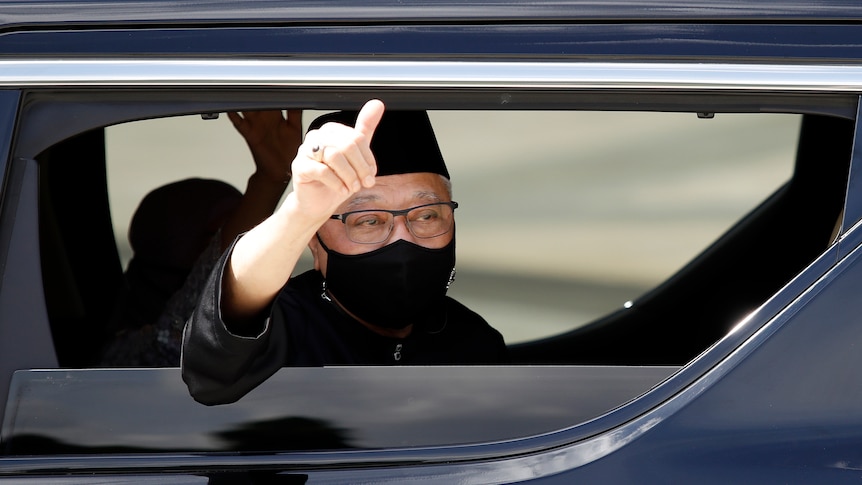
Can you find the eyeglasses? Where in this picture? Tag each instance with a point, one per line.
(423, 221)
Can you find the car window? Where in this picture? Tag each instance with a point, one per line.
(564, 216)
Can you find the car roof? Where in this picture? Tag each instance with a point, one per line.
(22, 14)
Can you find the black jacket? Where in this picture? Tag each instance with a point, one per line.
(304, 329)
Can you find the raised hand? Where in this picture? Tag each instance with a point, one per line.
(272, 139)
(263, 259)
(335, 162)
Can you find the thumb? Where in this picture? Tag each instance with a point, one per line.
(369, 117)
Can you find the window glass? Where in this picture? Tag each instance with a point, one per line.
(563, 217)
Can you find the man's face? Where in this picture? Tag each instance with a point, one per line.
(391, 192)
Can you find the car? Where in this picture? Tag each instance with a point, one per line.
(660, 210)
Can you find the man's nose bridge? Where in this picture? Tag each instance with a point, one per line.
(400, 229)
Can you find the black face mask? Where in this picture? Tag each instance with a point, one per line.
(392, 287)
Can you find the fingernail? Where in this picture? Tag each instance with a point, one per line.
(369, 181)
(356, 186)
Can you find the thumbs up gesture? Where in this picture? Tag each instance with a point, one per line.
(335, 161)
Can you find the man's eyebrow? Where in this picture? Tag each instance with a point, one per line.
(362, 199)
(423, 194)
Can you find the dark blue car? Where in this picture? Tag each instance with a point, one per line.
(659, 208)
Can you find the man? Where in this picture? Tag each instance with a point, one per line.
(379, 220)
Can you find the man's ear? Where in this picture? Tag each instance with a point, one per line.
(316, 253)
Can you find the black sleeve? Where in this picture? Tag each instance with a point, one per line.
(218, 366)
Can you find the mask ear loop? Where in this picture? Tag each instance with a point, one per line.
(446, 316)
(323, 293)
(448, 283)
(323, 289)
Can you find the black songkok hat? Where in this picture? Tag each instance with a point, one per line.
(403, 142)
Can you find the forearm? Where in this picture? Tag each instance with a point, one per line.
(264, 259)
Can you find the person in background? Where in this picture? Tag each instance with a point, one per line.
(372, 200)
(178, 233)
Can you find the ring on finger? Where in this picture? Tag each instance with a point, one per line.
(315, 152)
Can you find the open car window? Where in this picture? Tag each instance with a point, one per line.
(564, 216)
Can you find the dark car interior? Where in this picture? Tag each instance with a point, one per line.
(668, 326)
(82, 273)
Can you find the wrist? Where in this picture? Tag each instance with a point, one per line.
(296, 213)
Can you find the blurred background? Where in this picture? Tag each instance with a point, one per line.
(563, 217)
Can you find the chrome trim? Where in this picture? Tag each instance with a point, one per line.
(429, 74)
